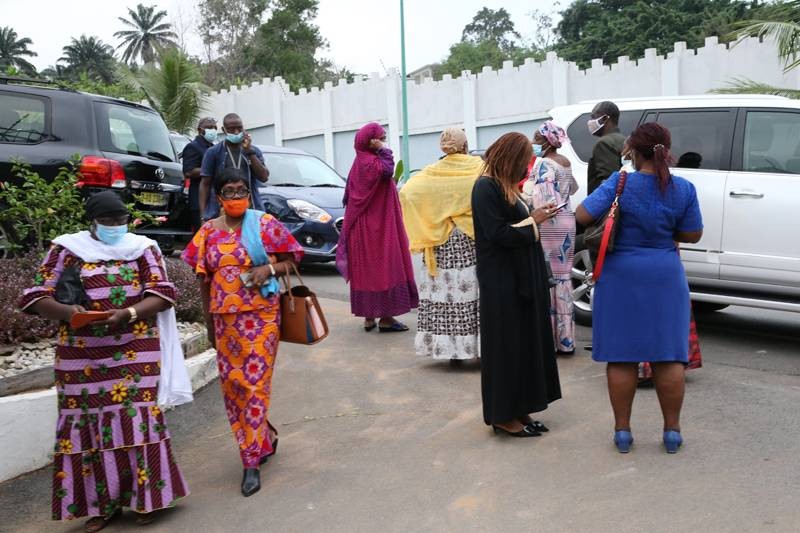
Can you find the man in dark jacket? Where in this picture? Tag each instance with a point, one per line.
(605, 159)
(192, 159)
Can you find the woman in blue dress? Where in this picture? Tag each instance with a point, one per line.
(641, 301)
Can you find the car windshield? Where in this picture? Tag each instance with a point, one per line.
(299, 170)
(130, 130)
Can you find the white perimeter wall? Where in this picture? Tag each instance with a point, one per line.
(486, 104)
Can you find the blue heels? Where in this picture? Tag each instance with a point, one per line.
(672, 441)
(623, 440)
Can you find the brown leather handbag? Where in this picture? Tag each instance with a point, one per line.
(302, 319)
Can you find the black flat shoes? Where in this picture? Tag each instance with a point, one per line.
(251, 481)
(526, 431)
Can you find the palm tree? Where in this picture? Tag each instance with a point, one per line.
(13, 51)
(783, 26)
(89, 56)
(173, 88)
(148, 36)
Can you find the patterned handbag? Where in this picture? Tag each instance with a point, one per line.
(302, 319)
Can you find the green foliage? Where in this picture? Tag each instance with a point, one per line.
(173, 88)
(13, 52)
(148, 35)
(39, 210)
(747, 86)
(399, 169)
(494, 26)
(119, 89)
(89, 57)
(607, 29)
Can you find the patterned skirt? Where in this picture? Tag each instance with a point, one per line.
(247, 343)
(447, 320)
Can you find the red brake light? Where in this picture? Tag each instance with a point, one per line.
(100, 172)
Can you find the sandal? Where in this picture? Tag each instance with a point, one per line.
(397, 326)
(145, 519)
(370, 326)
(96, 523)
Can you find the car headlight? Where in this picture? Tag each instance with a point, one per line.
(309, 211)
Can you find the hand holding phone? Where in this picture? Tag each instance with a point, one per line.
(559, 207)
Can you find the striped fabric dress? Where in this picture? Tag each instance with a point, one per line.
(112, 447)
(549, 182)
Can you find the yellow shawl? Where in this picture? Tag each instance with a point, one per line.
(437, 200)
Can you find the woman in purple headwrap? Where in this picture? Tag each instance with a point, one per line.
(551, 181)
(373, 253)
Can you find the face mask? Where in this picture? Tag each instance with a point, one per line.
(235, 208)
(537, 150)
(110, 235)
(595, 125)
(235, 138)
(210, 135)
(627, 164)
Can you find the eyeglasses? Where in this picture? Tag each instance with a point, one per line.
(236, 194)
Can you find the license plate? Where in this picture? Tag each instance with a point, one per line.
(153, 198)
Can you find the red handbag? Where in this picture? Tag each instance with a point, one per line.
(609, 224)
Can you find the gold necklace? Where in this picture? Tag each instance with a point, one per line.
(231, 229)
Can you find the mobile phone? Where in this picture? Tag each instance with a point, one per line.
(561, 206)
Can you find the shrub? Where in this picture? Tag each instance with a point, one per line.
(189, 306)
(16, 326)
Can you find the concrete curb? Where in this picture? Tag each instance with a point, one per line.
(28, 420)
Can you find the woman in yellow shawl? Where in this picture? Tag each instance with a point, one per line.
(437, 210)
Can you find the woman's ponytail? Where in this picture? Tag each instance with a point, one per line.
(653, 141)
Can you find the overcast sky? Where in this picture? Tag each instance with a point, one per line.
(364, 35)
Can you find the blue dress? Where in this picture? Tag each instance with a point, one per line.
(641, 301)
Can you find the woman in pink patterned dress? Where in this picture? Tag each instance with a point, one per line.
(551, 180)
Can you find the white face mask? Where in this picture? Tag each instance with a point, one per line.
(596, 124)
(627, 164)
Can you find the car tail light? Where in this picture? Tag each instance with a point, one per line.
(100, 172)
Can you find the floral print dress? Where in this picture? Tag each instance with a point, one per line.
(112, 447)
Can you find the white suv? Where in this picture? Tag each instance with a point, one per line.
(748, 182)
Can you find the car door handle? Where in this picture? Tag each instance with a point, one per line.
(746, 193)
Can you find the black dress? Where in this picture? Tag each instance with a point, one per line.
(519, 374)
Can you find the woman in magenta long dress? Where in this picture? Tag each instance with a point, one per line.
(373, 254)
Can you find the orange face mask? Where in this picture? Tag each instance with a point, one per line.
(237, 207)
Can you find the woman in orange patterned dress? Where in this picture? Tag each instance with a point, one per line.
(243, 323)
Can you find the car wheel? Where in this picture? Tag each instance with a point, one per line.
(582, 287)
(707, 307)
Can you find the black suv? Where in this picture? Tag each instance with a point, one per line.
(123, 147)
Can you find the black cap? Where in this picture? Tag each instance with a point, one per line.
(105, 204)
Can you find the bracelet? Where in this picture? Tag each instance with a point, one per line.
(272, 269)
(134, 315)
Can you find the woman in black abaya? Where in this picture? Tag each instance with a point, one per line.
(519, 375)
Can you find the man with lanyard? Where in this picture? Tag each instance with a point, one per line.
(604, 123)
(237, 151)
(192, 159)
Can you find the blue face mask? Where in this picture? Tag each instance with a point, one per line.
(210, 135)
(235, 138)
(110, 235)
(537, 150)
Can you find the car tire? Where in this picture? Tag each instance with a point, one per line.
(582, 283)
(707, 307)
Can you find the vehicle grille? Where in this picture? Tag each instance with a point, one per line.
(339, 223)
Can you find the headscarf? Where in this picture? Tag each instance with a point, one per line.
(555, 135)
(452, 140)
(105, 204)
(437, 200)
(363, 181)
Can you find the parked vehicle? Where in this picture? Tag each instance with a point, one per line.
(179, 142)
(742, 153)
(123, 146)
(306, 195)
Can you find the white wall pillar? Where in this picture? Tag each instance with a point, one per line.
(392, 86)
(671, 71)
(277, 109)
(469, 87)
(560, 71)
(327, 122)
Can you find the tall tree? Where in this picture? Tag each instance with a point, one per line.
(494, 26)
(90, 57)
(148, 35)
(226, 29)
(287, 43)
(173, 87)
(13, 51)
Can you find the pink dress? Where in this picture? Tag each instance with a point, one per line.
(550, 182)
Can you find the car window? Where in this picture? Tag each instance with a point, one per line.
(129, 130)
(583, 141)
(770, 142)
(300, 170)
(701, 138)
(22, 119)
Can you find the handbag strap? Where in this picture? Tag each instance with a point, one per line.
(287, 281)
(608, 229)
